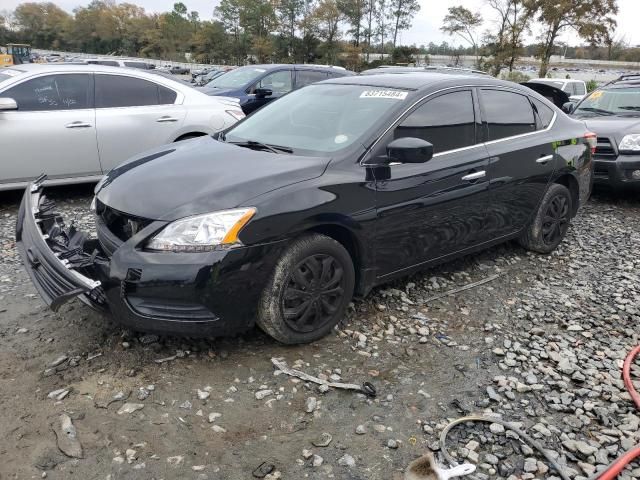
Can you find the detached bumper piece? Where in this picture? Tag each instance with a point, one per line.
(60, 260)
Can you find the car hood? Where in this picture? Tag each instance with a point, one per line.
(200, 176)
(616, 127)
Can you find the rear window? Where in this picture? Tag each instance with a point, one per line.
(114, 91)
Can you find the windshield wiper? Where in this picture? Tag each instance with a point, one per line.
(263, 146)
(635, 108)
(596, 110)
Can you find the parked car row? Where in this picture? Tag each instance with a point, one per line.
(281, 218)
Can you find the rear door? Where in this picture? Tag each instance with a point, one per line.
(429, 210)
(133, 115)
(521, 156)
(53, 131)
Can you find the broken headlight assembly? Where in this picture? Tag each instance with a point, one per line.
(630, 143)
(201, 233)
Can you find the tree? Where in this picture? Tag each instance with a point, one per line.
(369, 17)
(326, 17)
(42, 24)
(464, 23)
(505, 45)
(403, 12)
(382, 16)
(289, 13)
(354, 12)
(589, 18)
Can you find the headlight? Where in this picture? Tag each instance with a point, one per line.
(202, 233)
(630, 143)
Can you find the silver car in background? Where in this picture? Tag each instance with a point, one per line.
(77, 122)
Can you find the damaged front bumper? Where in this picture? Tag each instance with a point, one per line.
(61, 261)
(197, 294)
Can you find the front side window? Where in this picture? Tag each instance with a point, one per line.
(307, 77)
(321, 119)
(446, 121)
(580, 89)
(52, 92)
(118, 91)
(507, 114)
(277, 82)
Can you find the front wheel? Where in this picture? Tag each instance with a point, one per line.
(309, 291)
(551, 223)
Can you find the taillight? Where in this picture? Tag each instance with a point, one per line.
(592, 140)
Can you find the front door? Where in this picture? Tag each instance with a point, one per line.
(53, 131)
(279, 83)
(430, 210)
(522, 159)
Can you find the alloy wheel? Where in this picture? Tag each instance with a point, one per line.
(313, 293)
(556, 220)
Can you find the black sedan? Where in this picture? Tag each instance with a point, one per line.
(332, 190)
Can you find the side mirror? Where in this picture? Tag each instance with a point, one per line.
(409, 150)
(263, 92)
(8, 104)
(568, 107)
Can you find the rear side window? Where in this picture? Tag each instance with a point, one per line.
(307, 77)
(580, 89)
(52, 92)
(446, 121)
(118, 91)
(507, 114)
(545, 114)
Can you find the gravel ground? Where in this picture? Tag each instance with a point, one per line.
(541, 345)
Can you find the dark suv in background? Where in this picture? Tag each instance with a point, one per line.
(613, 113)
(257, 85)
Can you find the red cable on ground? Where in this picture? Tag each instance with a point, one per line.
(626, 375)
(616, 467)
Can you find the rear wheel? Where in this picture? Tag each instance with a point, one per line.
(309, 291)
(551, 223)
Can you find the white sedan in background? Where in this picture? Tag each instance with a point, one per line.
(77, 122)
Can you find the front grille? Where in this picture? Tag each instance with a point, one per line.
(605, 149)
(120, 224)
(601, 171)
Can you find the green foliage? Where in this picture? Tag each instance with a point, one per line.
(515, 76)
(591, 85)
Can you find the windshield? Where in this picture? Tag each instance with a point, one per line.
(237, 78)
(320, 119)
(613, 101)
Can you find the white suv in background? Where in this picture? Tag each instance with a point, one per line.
(576, 89)
(77, 122)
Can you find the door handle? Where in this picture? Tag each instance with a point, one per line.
(166, 119)
(78, 125)
(474, 176)
(544, 160)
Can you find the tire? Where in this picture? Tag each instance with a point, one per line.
(311, 265)
(551, 223)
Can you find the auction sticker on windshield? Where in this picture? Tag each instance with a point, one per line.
(395, 94)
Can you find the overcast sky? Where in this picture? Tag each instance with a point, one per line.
(426, 25)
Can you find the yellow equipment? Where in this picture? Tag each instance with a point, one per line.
(15, 54)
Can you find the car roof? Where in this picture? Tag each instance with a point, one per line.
(36, 68)
(419, 80)
(299, 66)
(428, 68)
